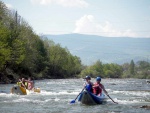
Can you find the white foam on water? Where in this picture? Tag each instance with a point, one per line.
(144, 94)
(52, 99)
(45, 101)
(57, 99)
(132, 93)
(31, 100)
(125, 101)
(17, 100)
(48, 100)
(22, 100)
(41, 101)
(108, 89)
(58, 82)
(112, 81)
(6, 95)
(58, 93)
(128, 101)
(130, 97)
(3, 94)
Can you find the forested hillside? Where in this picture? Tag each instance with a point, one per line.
(23, 53)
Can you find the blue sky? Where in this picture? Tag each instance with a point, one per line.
(112, 18)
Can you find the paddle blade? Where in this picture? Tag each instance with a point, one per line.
(72, 102)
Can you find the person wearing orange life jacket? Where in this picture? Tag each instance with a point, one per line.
(98, 87)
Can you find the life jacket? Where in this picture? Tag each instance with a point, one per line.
(20, 84)
(97, 90)
(30, 85)
(88, 87)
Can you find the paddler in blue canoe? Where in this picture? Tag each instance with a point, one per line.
(98, 87)
(88, 84)
(89, 87)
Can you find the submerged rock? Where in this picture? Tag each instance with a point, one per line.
(148, 81)
(145, 106)
(113, 84)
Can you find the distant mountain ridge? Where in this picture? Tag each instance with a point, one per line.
(91, 48)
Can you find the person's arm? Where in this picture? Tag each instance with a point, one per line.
(104, 90)
(95, 85)
(29, 81)
(108, 94)
(84, 85)
(22, 83)
(92, 84)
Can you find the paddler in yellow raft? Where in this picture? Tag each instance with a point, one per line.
(24, 87)
(31, 86)
(22, 83)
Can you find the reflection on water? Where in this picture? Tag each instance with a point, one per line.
(55, 96)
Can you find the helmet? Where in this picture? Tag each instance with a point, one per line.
(88, 77)
(98, 79)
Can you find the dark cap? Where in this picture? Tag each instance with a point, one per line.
(87, 77)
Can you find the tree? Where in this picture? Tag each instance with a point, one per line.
(143, 70)
(132, 67)
(5, 50)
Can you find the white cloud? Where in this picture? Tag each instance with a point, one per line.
(9, 6)
(64, 3)
(88, 25)
(42, 2)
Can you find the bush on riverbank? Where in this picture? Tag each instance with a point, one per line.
(141, 70)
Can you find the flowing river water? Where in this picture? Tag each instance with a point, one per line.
(131, 94)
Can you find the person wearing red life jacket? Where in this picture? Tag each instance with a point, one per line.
(98, 87)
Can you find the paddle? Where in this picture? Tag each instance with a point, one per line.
(111, 99)
(107, 93)
(73, 101)
(22, 84)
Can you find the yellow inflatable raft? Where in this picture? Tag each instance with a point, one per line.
(22, 91)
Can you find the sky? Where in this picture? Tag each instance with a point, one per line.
(111, 18)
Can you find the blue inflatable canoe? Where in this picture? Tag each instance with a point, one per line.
(90, 99)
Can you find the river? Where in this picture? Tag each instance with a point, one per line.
(131, 94)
